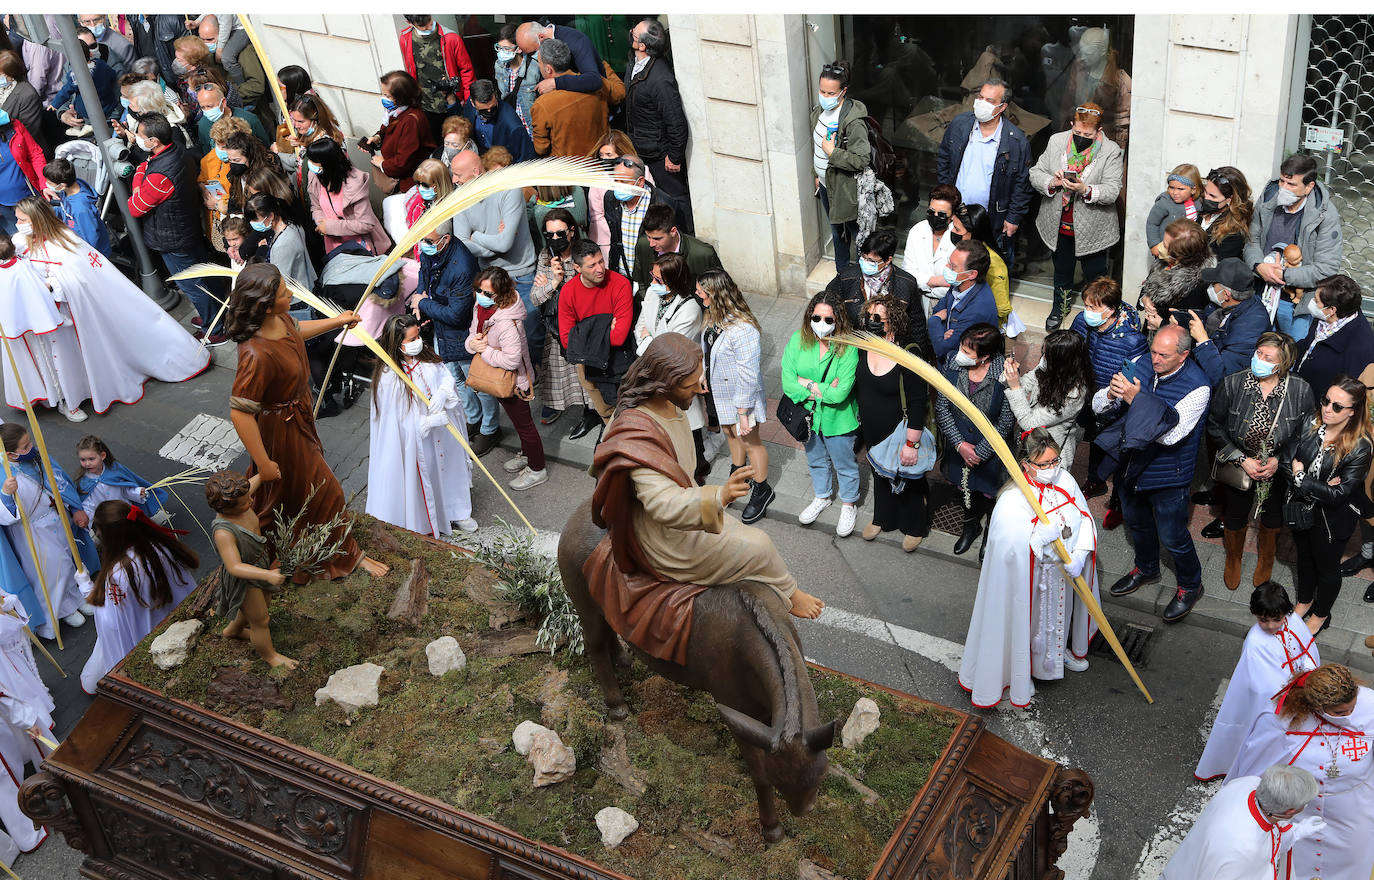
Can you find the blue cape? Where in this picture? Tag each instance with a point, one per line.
(118, 475)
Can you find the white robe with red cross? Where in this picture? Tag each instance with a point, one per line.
(1267, 663)
(1026, 614)
(1232, 840)
(1339, 752)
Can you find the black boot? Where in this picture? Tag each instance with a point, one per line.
(1182, 603)
(590, 420)
(759, 499)
(1213, 529)
(1063, 300)
(329, 408)
(972, 529)
(1356, 564)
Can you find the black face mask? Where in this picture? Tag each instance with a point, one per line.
(955, 238)
(557, 241)
(937, 222)
(1082, 143)
(875, 325)
(237, 169)
(1207, 206)
(489, 114)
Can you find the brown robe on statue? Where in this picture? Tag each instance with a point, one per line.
(668, 539)
(273, 385)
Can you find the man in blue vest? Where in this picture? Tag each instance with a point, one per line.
(1155, 503)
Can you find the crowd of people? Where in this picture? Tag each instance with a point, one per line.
(1236, 377)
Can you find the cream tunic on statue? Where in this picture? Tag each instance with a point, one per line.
(1339, 752)
(419, 475)
(125, 338)
(123, 620)
(1026, 614)
(53, 549)
(43, 342)
(1232, 840)
(24, 703)
(1266, 664)
(688, 536)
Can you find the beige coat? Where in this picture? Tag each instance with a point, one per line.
(1096, 225)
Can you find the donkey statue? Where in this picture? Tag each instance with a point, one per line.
(744, 651)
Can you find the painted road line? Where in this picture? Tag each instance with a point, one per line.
(207, 441)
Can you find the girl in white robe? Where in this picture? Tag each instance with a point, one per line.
(418, 475)
(1323, 722)
(124, 337)
(1278, 647)
(43, 343)
(144, 575)
(25, 710)
(1027, 620)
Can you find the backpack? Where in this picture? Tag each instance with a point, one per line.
(883, 158)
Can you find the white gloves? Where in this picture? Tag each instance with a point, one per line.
(1077, 563)
(1043, 536)
(433, 421)
(1309, 827)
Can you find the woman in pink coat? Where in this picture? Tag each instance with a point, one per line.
(498, 338)
(339, 199)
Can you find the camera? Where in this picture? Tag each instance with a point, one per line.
(450, 84)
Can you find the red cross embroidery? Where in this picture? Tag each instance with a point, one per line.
(95, 260)
(117, 595)
(1355, 749)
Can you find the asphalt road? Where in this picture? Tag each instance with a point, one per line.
(895, 619)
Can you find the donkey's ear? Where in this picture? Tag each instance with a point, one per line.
(818, 739)
(748, 729)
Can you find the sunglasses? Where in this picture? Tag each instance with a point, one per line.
(817, 319)
(1336, 407)
(1091, 111)
(832, 68)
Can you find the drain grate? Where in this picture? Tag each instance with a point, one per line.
(948, 518)
(1138, 641)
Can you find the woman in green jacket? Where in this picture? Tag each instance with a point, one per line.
(820, 374)
(840, 153)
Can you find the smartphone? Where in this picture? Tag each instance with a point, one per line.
(1128, 370)
(1181, 317)
(1071, 176)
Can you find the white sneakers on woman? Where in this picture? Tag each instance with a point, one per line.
(528, 479)
(848, 513)
(515, 465)
(813, 510)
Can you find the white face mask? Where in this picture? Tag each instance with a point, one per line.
(1315, 310)
(821, 327)
(1047, 475)
(1213, 295)
(1286, 198)
(142, 144)
(412, 348)
(962, 359)
(984, 111)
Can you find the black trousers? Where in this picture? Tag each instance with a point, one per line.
(1319, 567)
(907, 511)
(673, 185)
(1235, 505)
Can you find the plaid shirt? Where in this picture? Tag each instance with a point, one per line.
(630, 221)
(513, 78)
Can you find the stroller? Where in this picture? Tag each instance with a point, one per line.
(343, 278)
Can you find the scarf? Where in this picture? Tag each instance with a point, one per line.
(1076, 162)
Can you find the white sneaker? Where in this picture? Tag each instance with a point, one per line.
(45, 632)
(848, 513)
(528, 479)
(76, 415)
(467, 525)
(1073, 664)
(87, 609)
(74, 619)
(813, 510)
(516, 465)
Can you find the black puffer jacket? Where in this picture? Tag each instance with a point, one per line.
(654, 115)
(1335, 512)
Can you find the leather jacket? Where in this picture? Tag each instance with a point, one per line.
(1233, 403)
(1335, 509)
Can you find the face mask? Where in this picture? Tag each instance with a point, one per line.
(1261, 369)
(875, 325)
(1047, 475)
(124, 102)
(449, 153)
(485, 301)
(98, 31)
(1286, 198)
(4, 82)
(624, 195)
(658, 290)
(1313, 309)
(258, 226)
(212, 46)
(4, 118)
(1213, 295)
(420, 33)
(214, 113)
(143, 145)
(29, 457)
(24, 228)
(307, 133)
(1093, 319)
(951, 277)
(937, 222)
(315, 167)
(822, 327)
(428, 248)
(427, 193)
(221, 154)
(1081, 143)
(1207, 206)
(868, 267)
(90, 65)
(238, 169)
(413, 347)
(388, 105)
(963, 360)
(505, 56)
(556, 241)
(984, 111)
(488, 115)
(828, 102)
(180, 68)
(955, 238)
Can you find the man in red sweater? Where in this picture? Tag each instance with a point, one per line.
(596, 291)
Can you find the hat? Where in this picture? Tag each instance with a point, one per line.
(1232, 273)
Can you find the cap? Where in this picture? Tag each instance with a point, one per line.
(1232, 273)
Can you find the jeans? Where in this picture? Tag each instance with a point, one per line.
(841, 234)
(1161, 516)
(1065, 263)
(821, 453)
(205, 306)
(534, 320)
(478, 408)
(7, 220)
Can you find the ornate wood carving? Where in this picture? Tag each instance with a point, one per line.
(155, 845)
(43, 799)
(1071, 796)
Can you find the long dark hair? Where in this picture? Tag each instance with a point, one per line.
(677, 275)
(152, 551)
(1065, 366)
(562, 215)
(842, 325)
(392, 336)
(334, 165)
(251, 299)
(296, 79)
(977, 223)
(668, 360)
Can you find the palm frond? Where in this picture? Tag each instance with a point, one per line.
(266, 65)
(204, 270)
(553, 171)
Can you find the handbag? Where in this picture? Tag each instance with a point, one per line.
(886, 457)
(1230, 473)
(496, 381)
(1298, 514)
(796, 417)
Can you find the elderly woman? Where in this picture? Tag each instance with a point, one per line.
(214, 177)
(1080, 176)
(405, 138)
(1254, 416)
(1340, 341)
(975, 368)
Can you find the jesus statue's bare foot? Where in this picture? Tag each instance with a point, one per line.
(374, 568)
(806, 605)
(281, 661)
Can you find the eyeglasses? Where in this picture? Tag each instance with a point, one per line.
(1054, 462)
(92, 21)
(1336, 407)
(1090, 111)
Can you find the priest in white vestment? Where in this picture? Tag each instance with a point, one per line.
(1323, 723)
(1245, 831)
(1027, 620)
(1278, 647)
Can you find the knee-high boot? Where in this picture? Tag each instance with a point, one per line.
(1234, 541)
(1267, 540)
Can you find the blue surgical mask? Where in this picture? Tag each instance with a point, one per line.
(951, 277)
(485, 301)
(829, 102)
(624, 195)
(213, 114)
(315, 167)
(4, 82)
(307, 133)
(420, 33)
(658, 290)
(388, 105)
(428, 248)
(868, 267)
(221, 154)
(124, 101)
(98, 31)
(257, 226)
(1093, 319)
(505, 56)
(1261, 368)
(4, 118)
(427, 193)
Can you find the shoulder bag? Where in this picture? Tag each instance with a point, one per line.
(798, 418)
(496, 381)
(1230, 473)
(886, 457)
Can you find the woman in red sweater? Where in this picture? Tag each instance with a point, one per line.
(404, 140)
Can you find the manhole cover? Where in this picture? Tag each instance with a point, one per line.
(1137, 640)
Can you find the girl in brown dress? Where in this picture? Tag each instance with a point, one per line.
(270, 408)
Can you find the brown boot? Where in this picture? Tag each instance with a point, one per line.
(1267, 540)
(1234, 539)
